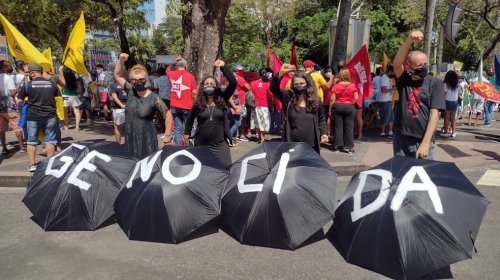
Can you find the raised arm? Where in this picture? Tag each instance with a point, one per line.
(233, 82)
(120, 70)
(276, 80)
(399, 59)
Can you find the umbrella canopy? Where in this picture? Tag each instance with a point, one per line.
(408, 217)
(76, 189)
(278, 195)
(171, 194)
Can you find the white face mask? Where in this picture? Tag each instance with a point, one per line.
(99, 71)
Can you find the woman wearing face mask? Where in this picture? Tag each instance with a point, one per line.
(304, 119)
(211, 113)
(142, 104)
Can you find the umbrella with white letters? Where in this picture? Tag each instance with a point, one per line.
(171, 194)
(279, 195)
(408, 217)
(76, 189)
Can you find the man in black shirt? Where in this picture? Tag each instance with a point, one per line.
(420, 99)
(41, 95)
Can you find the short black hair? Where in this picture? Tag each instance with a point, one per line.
(20, 64)
(99, 66)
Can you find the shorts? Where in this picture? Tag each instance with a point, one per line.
(451, 106)
(385, 112)
(260, 119)
(85, 103)
(72, 101)
(118, 116)
(48, 126)
(477, 106)
(103, 97)
(11, 119)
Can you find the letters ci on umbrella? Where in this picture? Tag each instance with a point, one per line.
(408, 217)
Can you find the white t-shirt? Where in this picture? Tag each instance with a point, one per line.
(86, 81)
(376, 87)
(385, 82)
(450, 94)
(19, 79)
(7, 83)
(100, 79)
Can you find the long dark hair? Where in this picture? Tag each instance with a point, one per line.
(69, 76)
(201, 100)
(311, 95)
(451, 79)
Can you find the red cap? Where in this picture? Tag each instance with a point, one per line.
(309, 63)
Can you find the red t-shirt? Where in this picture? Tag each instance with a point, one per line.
(261, 91)
(344, 93)
(183, 83)
(240, 88)
(327, 96)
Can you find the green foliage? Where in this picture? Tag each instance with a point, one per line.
(141, 47)
(167, 37)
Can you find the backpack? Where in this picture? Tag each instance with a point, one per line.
(250, 99)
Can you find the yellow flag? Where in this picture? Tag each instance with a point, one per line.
(385, 63)
(21, 48)
(73, 54)
(48, 54)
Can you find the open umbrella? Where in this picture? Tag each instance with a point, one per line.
(76, 189)
(408, 217)
(278, 195)
(171, 194)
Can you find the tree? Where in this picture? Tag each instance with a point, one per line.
(340, 48)
(203, 29)
(141, 47)
(429, 23)
(167, 37)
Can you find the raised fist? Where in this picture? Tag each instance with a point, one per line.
(416, 36)
(123, 57)
(219, 63)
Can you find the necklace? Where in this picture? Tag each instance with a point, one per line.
(211, 109)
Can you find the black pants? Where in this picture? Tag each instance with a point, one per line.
(343, 125)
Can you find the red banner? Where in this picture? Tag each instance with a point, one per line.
(293, 56)
(276, 68)
(359, 66)
(486, 90)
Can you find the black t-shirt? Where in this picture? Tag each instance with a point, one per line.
(41, 95)
(416, 99)
(120, 93)
(301, 125)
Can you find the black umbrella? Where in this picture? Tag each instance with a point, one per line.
(279, 195)
(76, 189)
(171, 194)
(408, 217)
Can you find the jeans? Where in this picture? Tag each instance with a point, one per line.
(49, 126)
(488, 111)
(180, 116)
(276, 120)
(235, 124)
(408, 146)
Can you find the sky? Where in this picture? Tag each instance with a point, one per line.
(150, 17)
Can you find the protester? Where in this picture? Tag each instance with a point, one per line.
(102, 90)
(303, 119)
(260, 115)
(9, 115)
(183, 93)
(345, 95)
(70, 92)
(210, 112)
(451, 99)
(85, 98)
(489, 106)
(22, 75)
(119, 98)
(476, 107)
(42, 115)
(164, 87)
(319, 81)
(420, 99)
(384, 100)
(243, 87)
(141, 138)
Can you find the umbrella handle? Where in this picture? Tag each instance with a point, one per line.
(473, 242)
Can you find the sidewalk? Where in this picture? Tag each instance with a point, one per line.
(473, 146)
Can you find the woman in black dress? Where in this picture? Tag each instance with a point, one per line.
(140, 132)
(303, 118)
(211, 113)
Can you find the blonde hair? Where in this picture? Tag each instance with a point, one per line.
(345, 75)
(138, 69)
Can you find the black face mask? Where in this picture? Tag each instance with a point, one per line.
(140, 87)
(421, 71)
(300, 89)
(209, 90)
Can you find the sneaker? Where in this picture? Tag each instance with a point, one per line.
(454, 134)
(23, 150)
(382, 134)
(390, 134)
(444, 134)
(32, 168)
(5, 151)
(243, 139)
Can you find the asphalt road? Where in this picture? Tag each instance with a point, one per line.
(27, 252)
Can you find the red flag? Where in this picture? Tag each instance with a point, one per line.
(268, 53)
(359, 66)
(486, 90)
(293, 56)
(276, 68)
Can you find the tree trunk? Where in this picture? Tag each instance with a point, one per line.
(340, 47)
(203, 29)
(491, 48)
(430, 8)
(440, 51)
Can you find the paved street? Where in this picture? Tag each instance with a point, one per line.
(27, 252)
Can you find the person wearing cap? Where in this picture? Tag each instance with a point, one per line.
(41, 95)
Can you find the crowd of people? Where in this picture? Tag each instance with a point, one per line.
(315, 106)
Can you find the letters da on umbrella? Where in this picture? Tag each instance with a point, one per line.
(147, 164)
(407, 184)
(84, 164)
